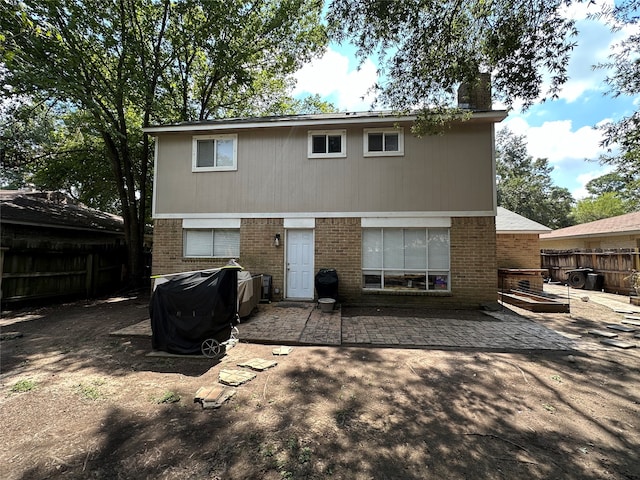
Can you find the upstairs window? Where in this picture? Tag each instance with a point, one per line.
(380, 142)
(327, 144)
(215, 153)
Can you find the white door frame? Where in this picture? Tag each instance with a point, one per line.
(311, 274)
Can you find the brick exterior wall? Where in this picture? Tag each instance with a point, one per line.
(518, 250)
(473, 261)
(257, 251)
(338, 245)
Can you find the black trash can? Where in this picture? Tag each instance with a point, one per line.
(594, 281)
(327, 283)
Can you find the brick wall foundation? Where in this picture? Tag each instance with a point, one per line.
(338, 245)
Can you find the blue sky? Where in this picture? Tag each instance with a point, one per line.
(563, 130)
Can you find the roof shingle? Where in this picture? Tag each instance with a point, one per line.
(622, 224)
(54, 209)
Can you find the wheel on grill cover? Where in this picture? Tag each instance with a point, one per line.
(211, 348)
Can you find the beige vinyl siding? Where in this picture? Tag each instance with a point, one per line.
(450, 172)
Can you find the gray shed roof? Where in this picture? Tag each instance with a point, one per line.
(55, 210)
(510, 222)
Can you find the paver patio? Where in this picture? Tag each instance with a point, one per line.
(302, 323)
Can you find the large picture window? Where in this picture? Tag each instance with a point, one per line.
(383, 142)
(212, 243)
(406, 259)
(327, 144)
(215, 153)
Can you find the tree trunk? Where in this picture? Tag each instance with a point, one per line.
(134, 275)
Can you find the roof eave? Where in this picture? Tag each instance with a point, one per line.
(494, 116)
(66, 227)
(593, 235)
(523, 232)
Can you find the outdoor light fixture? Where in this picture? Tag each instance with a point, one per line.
(276, 240)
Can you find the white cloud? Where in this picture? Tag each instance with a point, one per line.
(331, 77)
(557, 141)
(580, 10)
(572, 153)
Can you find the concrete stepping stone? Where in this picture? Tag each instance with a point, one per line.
(601, 333)
(621, 328)
(235, 377)
(631, 320)
(258, 364)
(617, 343)
(213, 397)
(282, 350)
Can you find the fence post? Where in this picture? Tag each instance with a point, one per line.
(2, 249)
(89, 278)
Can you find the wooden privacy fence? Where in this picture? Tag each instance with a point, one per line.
(30, 274)
(614, 265)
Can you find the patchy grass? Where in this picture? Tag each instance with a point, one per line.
(91, 390)
(168, 397)
(25, 385)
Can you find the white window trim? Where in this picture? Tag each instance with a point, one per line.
(365, 142)
(343, 144)
(428, 271)
(194, 153)
(213, 223)
(299, 223)
(212, 231)
(406, 222)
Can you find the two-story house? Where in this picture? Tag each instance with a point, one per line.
(402, 219)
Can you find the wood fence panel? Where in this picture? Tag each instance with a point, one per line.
(37, 274)
(614, 265)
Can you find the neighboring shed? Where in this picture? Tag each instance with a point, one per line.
(622, 231)
(53, 246)
(610, 247)
(518, 251)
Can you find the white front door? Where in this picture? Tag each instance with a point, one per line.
(300, 264)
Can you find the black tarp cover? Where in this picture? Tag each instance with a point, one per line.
(190, 308)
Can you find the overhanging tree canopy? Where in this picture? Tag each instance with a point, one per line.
(428, 47)
(623, 136)
(128, 63)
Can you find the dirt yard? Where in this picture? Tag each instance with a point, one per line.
(76, 403)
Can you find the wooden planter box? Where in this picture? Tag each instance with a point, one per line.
(533, 303)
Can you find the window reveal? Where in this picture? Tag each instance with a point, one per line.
(212, 243)
(383, 142)
(406, 258)
(215, 152)
(327, 144)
